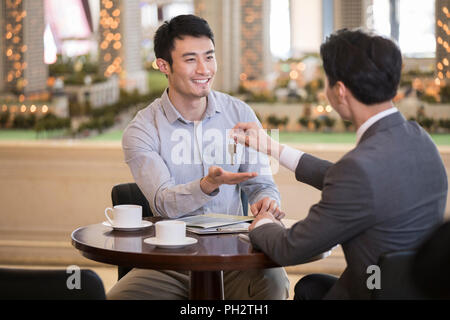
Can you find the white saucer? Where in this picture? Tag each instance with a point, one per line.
(155, 242)
(144, 224)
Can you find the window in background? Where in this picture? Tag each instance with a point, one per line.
(414, 20)
(381, 18)
(68, 29)
(280, 37)
(149, 15)
(174, 9)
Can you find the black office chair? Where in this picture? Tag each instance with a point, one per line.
(129, 193)
(32, 284)
(432, 263)
(396, 277)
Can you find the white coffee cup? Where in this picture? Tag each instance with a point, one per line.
(125, 215)
(170, 231)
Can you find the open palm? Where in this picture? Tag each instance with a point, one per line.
(217, 175)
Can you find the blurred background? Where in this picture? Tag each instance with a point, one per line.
(73, 73)
(75, 68)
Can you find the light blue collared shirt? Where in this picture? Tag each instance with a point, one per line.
(168, 155)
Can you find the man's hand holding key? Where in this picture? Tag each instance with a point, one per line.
(252, 135)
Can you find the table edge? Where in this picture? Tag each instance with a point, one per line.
(160, 262)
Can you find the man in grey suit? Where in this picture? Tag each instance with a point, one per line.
(385, 195)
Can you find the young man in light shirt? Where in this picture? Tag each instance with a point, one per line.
(177, 151)
(385, 195)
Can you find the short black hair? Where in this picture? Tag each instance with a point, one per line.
(176, 28)
(368, 64)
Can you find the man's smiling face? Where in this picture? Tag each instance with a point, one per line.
(193, 67)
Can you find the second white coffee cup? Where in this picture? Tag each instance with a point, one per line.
(126, 215)
(170, 231)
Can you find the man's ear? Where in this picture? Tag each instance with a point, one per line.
(341, 92)
(163, 66)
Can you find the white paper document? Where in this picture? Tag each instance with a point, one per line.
(217, 223)
(233, 228)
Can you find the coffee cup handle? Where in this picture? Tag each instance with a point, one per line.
(107, 216)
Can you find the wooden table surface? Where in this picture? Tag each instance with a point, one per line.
(206, 259)
(211, 252)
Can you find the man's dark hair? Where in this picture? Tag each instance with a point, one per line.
(369, 65)
(176, 28)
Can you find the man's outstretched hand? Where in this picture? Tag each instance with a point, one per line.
(217, 176)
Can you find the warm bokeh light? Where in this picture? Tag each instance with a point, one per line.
(293, 74)
(110, 17)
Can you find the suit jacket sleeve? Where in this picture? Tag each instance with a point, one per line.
(345, 209)
(311, 170)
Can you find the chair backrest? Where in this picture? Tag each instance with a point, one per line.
(431, 264)
(396, 278)
(32, 284)
(129, 193)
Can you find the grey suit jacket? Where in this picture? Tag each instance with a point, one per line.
(385, 195)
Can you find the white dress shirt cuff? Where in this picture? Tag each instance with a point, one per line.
(290, 157)
(263, 221)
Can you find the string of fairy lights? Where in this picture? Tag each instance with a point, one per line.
(14, 46)
(442, 33)
(14, 59)
(111, 37)
(251, 33)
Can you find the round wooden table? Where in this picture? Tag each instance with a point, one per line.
(206, 260)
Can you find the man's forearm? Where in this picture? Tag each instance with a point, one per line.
(274, 149)
(208, 186)
(176, 201)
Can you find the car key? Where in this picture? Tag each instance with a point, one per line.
(232, 151)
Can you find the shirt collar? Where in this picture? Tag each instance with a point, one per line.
(369, 122)
(172, 113)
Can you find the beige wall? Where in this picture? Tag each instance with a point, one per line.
(48, 189)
